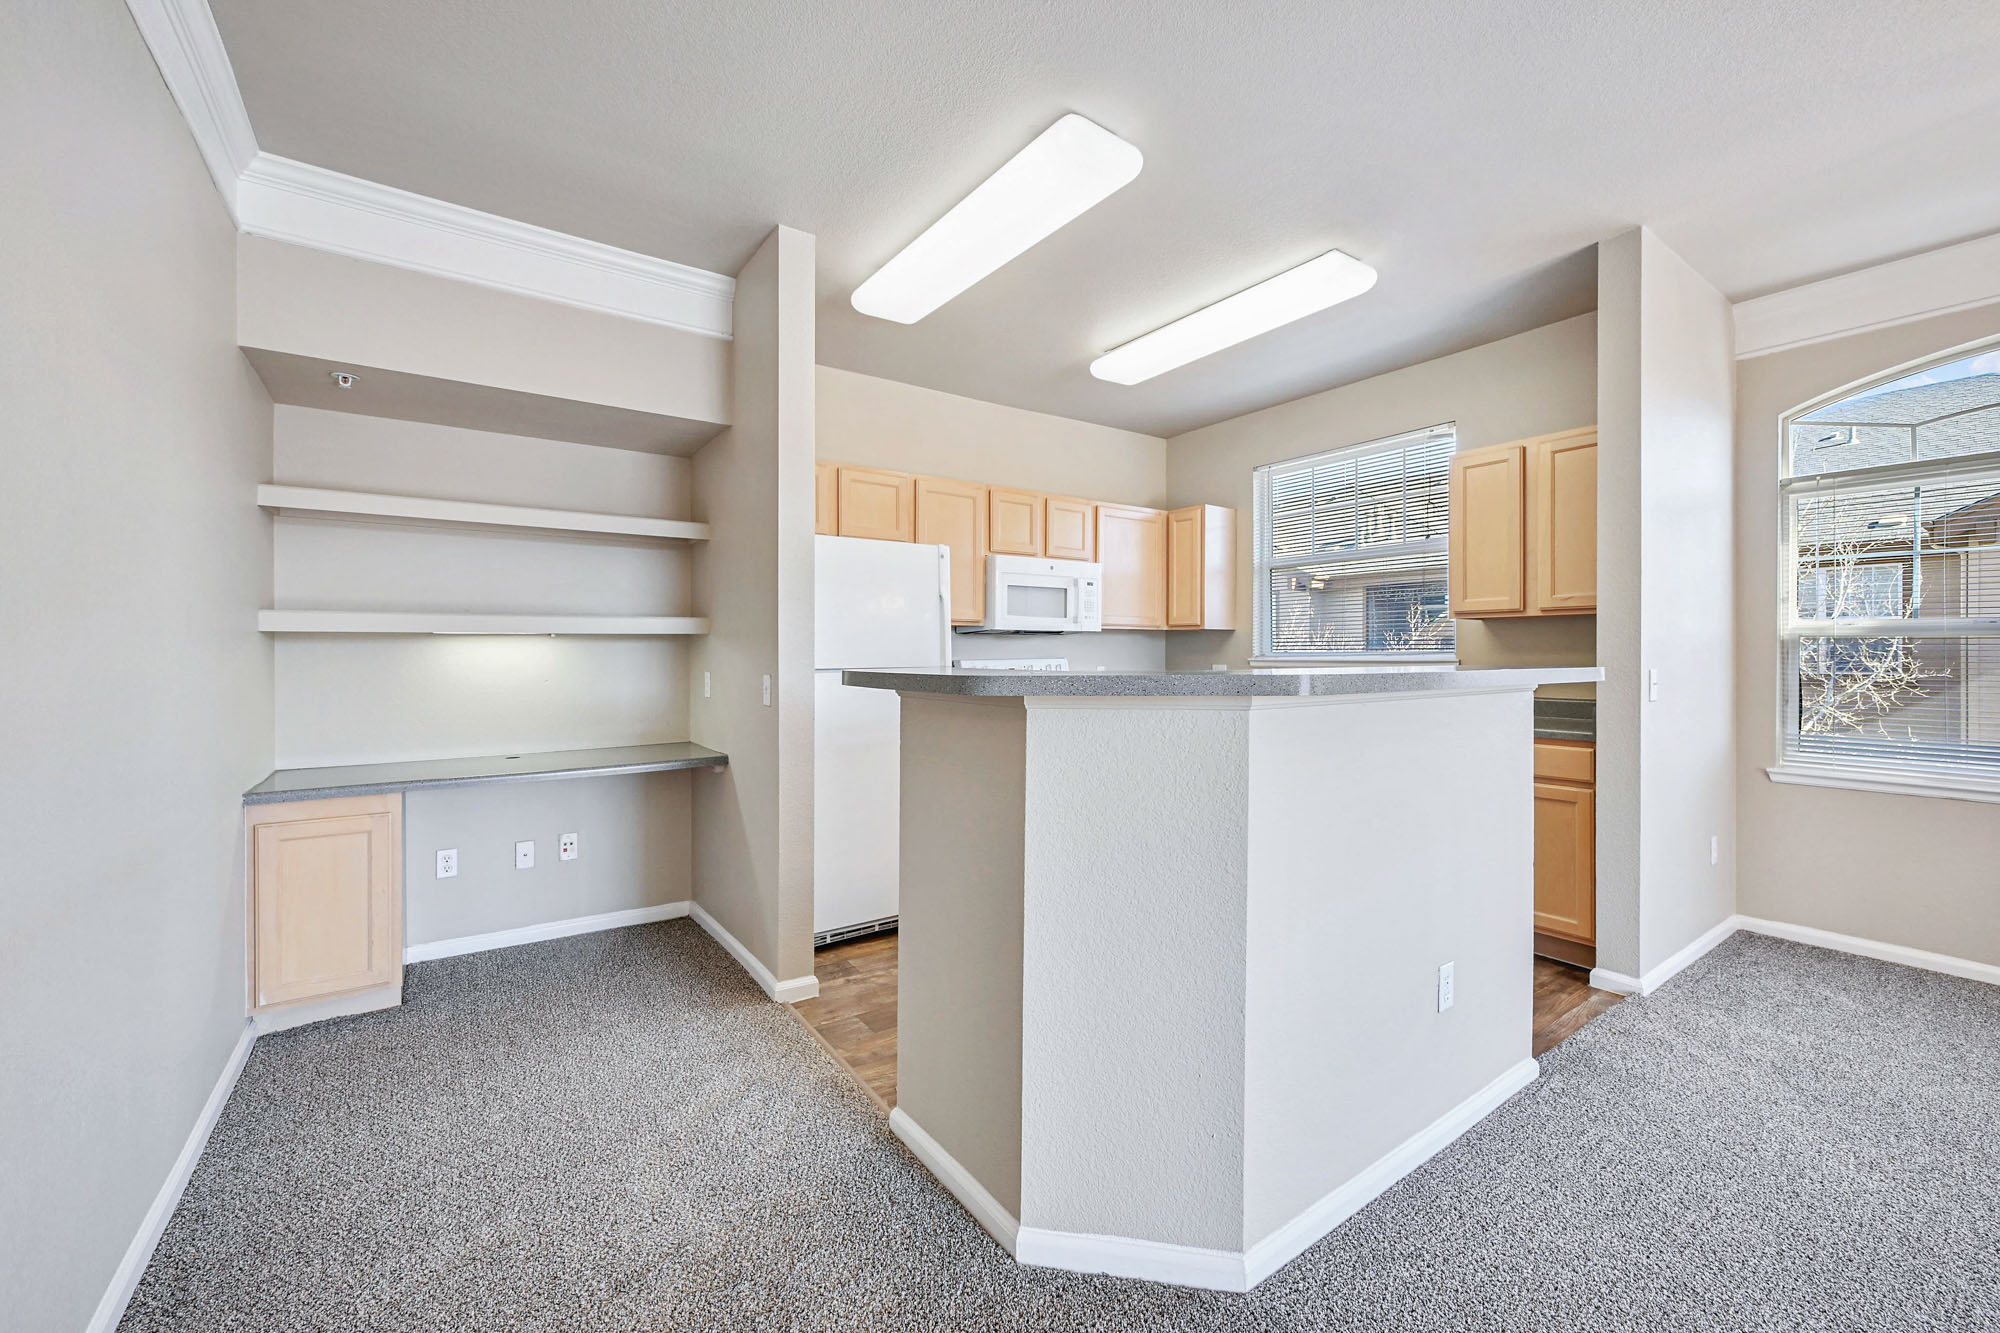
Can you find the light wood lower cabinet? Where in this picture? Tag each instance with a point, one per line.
(1132, 547)
(953, 514)
(1013, 522)
(1565, 841)
(326, 897)
(877, 504)
(1201, 568)
(1068, 532)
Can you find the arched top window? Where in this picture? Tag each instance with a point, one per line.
(1890, 608)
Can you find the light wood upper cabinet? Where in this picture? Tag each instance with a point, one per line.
(826, 499)
(1524, 527)
(326, 897)
(1068, 532)
(877, 504)
(1566, 861)
(953, 514)
(1201, 568)
(1013, 522)
(1562, 481)
(1132, 546)
(1488, 531)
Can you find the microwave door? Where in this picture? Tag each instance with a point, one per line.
(1043, 602)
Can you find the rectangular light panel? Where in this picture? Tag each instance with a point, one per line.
(1068, 168)
(1297, 292)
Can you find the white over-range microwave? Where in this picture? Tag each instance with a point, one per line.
(1026, 595)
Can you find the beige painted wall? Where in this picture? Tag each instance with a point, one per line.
(311, 304)
(344, 699)
(138, 691)
(1534, 383)
(882, 423)
(1908, 870)
(754, 580)
(1665, 770)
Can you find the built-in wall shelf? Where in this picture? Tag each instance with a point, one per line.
(319, 502)
(316, 784)
(472, 622)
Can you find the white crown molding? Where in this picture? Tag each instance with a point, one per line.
(111, 1308)
(1937, 282)
(285, 200)
(345, 215)
(187, 47)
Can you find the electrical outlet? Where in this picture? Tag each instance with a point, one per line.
(705, 688)
(448, 863)
(1715, 849)
(1445, 986)
(767, 691)
(524, 856)
(566, 847)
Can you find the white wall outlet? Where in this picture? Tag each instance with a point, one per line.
(1715, 849)
(448, 863)
(1446, 980)
(566, 847)
(767, 691)
(706, 688)
(524, 856)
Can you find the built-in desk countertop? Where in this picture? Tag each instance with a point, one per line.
(313, 784)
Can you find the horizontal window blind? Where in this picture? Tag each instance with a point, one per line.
(1350, 549)
(1890, 624)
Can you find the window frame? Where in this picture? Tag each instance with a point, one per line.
(1262, 565)
(1789, 767)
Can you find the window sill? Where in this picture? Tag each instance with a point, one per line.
(1890, 784)
(1358, 659)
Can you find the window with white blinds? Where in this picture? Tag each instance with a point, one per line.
(1890, 616)
(1351, 550)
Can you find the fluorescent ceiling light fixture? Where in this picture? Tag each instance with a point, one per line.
(1297, 292)
(1070, 167)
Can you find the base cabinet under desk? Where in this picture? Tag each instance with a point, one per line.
(325, 906)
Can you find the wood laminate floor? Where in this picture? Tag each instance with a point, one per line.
(855, 1014)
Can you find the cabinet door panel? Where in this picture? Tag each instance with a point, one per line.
(327, 899)
(1184, 582)
(953, 514)
(1566, 861)
(1132, 546)
(1013, 522)
(877, 504)
(1564, 477)
(1067, 530)
(1488, 550)
(826, 499)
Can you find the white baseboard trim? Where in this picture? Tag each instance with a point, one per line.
(1289, 1241)
(338, 1006)
(975, 1197)
(139, 1253)
(1623, 984)
(790, 991)
(1887, 953)
(1226, 1270)
(546, 930)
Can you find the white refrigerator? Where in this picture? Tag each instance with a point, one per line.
(877, 604)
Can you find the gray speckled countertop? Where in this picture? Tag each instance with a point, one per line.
(1293, 682)
(314, 784)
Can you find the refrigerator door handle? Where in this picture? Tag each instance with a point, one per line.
(944, 605)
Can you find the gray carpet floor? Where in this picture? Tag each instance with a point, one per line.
(617, 1132)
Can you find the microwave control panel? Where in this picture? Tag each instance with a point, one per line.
(1089, 599)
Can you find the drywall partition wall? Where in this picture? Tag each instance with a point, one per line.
(1905, 870)
(882, 423)
(1533, 383)
(1666, 595)
(138, 689)
(440, 350)
(754, 580)
(344, 699)
(632, 852)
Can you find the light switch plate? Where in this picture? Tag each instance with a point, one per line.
(524, 856)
